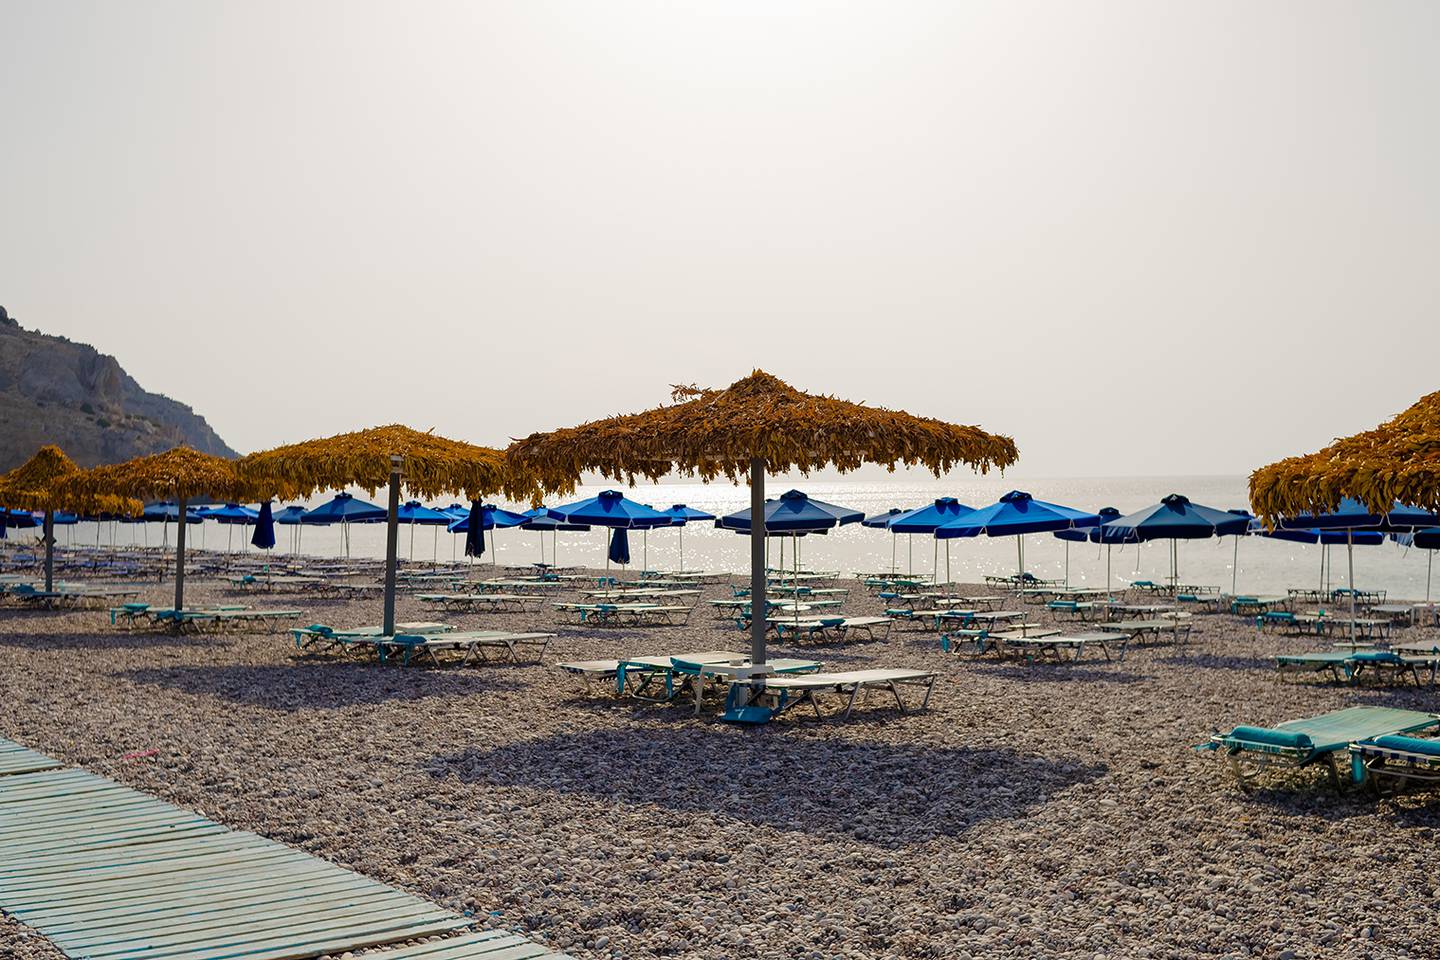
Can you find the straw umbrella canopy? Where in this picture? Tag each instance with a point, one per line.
(756, 424)
(38, 484)
(426, 465)
(178, 474)
(1397, 462)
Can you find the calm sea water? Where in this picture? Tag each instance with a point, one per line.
(1263, 565)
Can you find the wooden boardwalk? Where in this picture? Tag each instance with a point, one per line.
(109, 873)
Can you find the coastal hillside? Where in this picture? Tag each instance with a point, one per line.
(53, 390)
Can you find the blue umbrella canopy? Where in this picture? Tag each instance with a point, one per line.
(264, 535)
(167, 512)
(229, 513)
(1176, 518)
(611, 509)
(619, 546)
(1353, 515)
(681, 514)
(1093, 534)
(63, 518)
(928, 518)
(540, 519)
(290, 515)
(346, 508)
(491, 517)
(1367, 538)
(413, 511)
(455, 511)
(1015, 514)
(882, 521)
(18, 519)
(1428, 539)
(794, 512)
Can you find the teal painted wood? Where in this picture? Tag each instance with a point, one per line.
(109, 873)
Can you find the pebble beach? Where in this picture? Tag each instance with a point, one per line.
(1032, 811)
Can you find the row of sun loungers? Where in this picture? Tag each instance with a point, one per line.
(494, 602)
(628, 614)
(201, 620)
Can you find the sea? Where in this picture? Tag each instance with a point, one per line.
(1253, 565)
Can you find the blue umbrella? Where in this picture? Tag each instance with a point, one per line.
(456, 511)
(539, 520)
(491, 518)
(1352, 516)
(1088, 535)
(1175, 518)
(926, 520)
(611, 509)
(163, 512)
(414, 512)
(1014, 515)
(882, 521)
(229, 514)
(345, 510)
(264, 535)
(794, 512)
(291, 517)
(1326, 539)
(680, 515)
(619, 551)
(1429, 541)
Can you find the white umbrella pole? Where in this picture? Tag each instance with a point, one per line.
(1108, 548)
(1067, 563)
(435, 548)
(935, 559)
(910, 548)
(1429, 568)
(948, 581)
(1235, 567)
(682, 548)
(1350, 559)
(1020, 559)
(892, 556)
(644, 552)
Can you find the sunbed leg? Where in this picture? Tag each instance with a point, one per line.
(854, 692)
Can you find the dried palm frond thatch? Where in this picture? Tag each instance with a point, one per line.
(433, 466)
(714, 433)
(39, 484)
(177, 473)
(1397, 462)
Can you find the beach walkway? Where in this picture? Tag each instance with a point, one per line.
(105, 871)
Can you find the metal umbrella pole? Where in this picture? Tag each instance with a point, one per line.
(1235, 566)
(1350, 560)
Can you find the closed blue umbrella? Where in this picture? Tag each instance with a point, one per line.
(1015, 515)
(619, 551)
(344, 509)
(475, 532)
(264, 535)
(680, 515)
(611, 509)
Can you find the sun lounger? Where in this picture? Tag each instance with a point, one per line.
(320, 637)
(477, 645)
(823, 626)
(1179, 629)
(496, 602)
(1394, 761)
(698, 673)
(633, 614)
(1248, 606)
(783, 693)
(1301, 743)
(1054, 645)
(593, 672)
(638, 676)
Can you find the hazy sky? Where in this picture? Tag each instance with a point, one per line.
(1141, 238)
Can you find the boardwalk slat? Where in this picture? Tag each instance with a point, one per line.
(109, 873)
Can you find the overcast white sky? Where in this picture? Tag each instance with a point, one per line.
(1142, 238)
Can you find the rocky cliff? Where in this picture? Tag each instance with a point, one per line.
(55, 391)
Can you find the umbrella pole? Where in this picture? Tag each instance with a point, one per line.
(910, 549)
(892, 556)
(1020, 559)
(682, 548)
(412, 541)
(1235, 567)
(935, 560)
(644, 552)
(1429, 569)
(392, 534)
(49, 551)
(795, 562)
(758, 542)
(948, 581)
(1350, 560)
(180, 559)
(1067, 563)
(1108, 548)
(435, 548)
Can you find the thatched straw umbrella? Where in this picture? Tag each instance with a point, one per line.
(424, 464)
(179, 474)
(1398, 462)
(39, 484)
(757, 423)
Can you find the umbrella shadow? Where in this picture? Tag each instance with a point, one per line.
(1061, 673)
(1212, 661)
(122, 640)
(316, 685)
(890, 795)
